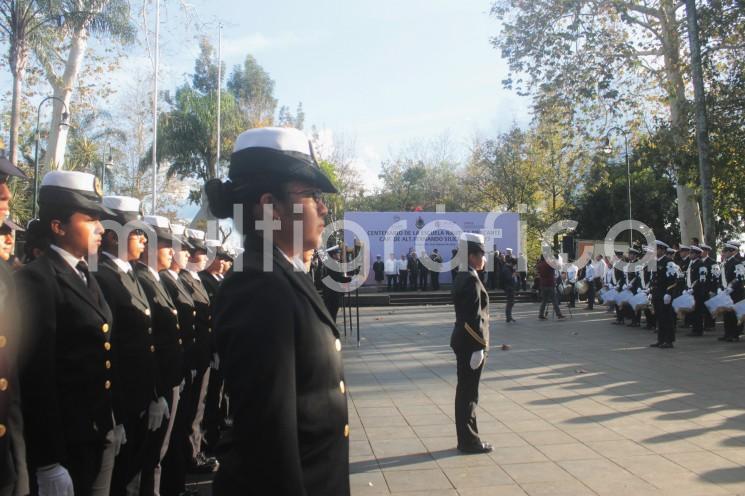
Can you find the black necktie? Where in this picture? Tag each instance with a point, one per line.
(89, 282)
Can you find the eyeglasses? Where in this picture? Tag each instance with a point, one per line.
(317, 195)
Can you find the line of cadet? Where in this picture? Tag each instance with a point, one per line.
(127, 400)
(688, 269)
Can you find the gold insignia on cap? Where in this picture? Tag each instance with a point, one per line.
(97, 187)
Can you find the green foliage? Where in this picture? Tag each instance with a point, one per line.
(253, 89)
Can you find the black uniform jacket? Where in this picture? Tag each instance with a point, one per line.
(131, 338)
(187, 316)
(66, 369)
(471, 330)
(663, 283)
(729, 269)
(12, 445)
(210, 285)
(280, 354)
(203, 344)
(166, 332)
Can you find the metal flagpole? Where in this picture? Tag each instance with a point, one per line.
(155, 106)
(219, 95)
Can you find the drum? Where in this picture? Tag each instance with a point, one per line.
(684, 304)
(582, 287)
(719, 304)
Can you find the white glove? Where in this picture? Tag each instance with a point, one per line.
(626, 286)
(667, 299)
(477, 358)
(689, 291)
(157, 411)
(215, 364)
(54, 480)
(193, 374)
(182, 386)
(120, 438)
(728, 291)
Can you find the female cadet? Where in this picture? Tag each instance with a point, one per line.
(279, 348)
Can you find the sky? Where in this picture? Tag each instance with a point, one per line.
(382, 75)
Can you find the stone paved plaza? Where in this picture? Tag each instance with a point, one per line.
(573, 408)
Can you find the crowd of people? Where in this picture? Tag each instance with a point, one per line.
(111, 378)
(670, 287)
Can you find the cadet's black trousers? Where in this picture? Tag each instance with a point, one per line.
(510, 294)
(466, 399)
(665, 322)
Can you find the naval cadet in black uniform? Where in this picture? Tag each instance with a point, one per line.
(470, 342)
(131, 337)
(664, 283)
(732, 279)
(280, 350)
(168, 347)
(67, 365)
(13, 473)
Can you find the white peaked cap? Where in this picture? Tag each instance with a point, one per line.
(662, 244)
(195, 234)
(684, 247)
(178, 229)
(157, 221)
(212, 243)
(276, 138)
(81, 181)
(732, 244)
(472, 237)
(121, 203)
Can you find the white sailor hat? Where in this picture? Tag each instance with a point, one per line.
(212, 243)
(697, 249)
(79, 191)
(161, 225)
(195, 237)
(662, 244)
(683, 247)
(276, 152)
(7, 226)
(474, 241)
(179, 233)
(669, 251)
(125, 208)
(705, 247)
(8, 169)
(732, 245)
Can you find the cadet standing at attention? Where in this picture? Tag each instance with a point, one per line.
(470, 342)
(280, 351)
(67, 365)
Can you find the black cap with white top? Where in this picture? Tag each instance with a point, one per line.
(161, 225)
(75, 190)
(125, 208)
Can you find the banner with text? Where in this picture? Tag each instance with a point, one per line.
(398, 233)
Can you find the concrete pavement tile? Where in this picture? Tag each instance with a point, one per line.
(436, 419)
(505, 439)
(570, 451)
(439, 430)
(524, 473)
(416, 480)
(527, 425)
(517, 454)
(586, 470)
(444, 492)
(503, 490)
(542, 438)
(368, 484)
(477, 476)
(563, 488)
(613, 449)
(388, 433)
(397, 447)
(382, 411)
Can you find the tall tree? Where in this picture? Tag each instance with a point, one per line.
(607, 57)
(253, 89)
(62, 55)
(20, 22)
(204, 79)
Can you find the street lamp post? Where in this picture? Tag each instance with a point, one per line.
(63, 122)
(608, 150)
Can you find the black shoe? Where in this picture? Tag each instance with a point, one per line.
(203, 465)
(481, 447)
(695, 334)
(667, 345)
(655, 345)
(560, 317)
(589, 308)
(541, 317)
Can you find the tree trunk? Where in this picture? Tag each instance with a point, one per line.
(63, 87)
(677, 103)
(702, 129)
(18, 59)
